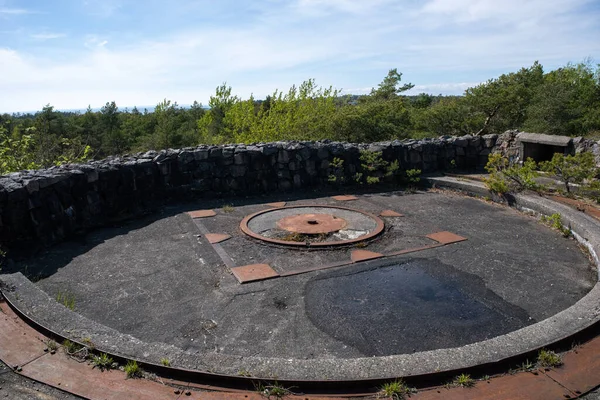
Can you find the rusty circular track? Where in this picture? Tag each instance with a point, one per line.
(378, 229)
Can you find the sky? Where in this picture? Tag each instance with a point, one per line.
(75, 53)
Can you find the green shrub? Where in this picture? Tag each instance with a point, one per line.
(336, 167)
(571, 169)
(504, 178)
(555, 221)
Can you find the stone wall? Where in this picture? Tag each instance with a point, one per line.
(46, 206)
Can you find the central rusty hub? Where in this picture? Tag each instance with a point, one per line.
(312, 224)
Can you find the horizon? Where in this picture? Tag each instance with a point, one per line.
(88, 52)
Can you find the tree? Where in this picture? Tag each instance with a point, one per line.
(448, 116)
(211, 126)
(571, 168)
(113, 139)
(567, 102)
(16, 154)
(390, 87)
(502, 102)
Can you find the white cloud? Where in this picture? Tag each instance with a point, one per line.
(47, 36)
(14, 11)
(103, 8)
(442, 46)
(454, 88)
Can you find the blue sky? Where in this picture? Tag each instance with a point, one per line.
(75, 53)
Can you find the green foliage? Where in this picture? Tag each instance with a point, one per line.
(103, 361)
(336, 168)
(374, 167)
(51, 345)
(567, 102)
(446, 116)
(548, 359)
(413, 176)
(16, 153)
(555, 222)
(165, 362)
(501, 103)
(572, 168)
(504, 178)
(464, 380)
(564, 101)
(66, 299)
(133, 370)
(396, 390)
(228, 208)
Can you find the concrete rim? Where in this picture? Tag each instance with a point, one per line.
(581, 315)
(378, 229)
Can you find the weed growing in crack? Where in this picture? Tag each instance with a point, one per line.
(527, 366)
(133, 370)
(548, 359)
(103, 361)
(396, 390)
(165, 362)
(66, 299)
(555, 222)
(51, 345)
(273, 391)
(464, 380)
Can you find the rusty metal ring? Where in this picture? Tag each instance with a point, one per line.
(378, 228)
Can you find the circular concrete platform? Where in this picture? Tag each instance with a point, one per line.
(157, 288)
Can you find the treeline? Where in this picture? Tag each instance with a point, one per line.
(564, 101)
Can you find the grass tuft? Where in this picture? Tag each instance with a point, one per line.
(102, 361)
(66, 299)
(396, 390)
(133, 370)
(228, 208)
(273, 391)
(548, 359)
(51, 345)
(165, 362)
(464, 380)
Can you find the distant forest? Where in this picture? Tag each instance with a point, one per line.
(564, 101)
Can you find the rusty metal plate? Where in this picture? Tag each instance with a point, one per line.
(446, 237)
(19, 343)
(81, 379)
(344, 198)
(254, 272)
(312, 223)
(390, 213)
(523, 386)
(216, 237)
(581, 370)
(363, 255)
(202, 213)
